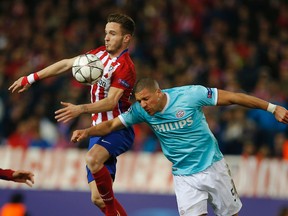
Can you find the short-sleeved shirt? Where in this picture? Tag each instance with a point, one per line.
(181, 127)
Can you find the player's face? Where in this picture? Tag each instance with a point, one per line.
(149, 100)
(114, 39)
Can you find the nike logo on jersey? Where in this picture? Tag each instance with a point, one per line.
(103, 195)
(105, 141)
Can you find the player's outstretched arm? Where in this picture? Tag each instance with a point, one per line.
(21, 176)
(23, 83)
(101, 129)
(228, 98)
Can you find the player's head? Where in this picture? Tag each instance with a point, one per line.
(126, 23)
(149, 95)
(118, 33)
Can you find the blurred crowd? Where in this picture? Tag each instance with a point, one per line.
(229, 44)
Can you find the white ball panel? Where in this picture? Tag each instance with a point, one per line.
(83, 61)
(87, 69)
(96, 73)
(80, 78)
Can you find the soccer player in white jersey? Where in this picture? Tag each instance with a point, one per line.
(110, 96)
(175, 115)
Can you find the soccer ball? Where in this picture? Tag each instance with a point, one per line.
(87, 69)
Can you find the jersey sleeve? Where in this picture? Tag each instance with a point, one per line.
(132, 116)
(6, 174)
(205, 96)
(124, 77)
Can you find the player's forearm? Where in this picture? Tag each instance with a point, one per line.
(98, 107)
(105, 128)
(101, 129)
(228, 98)
(56, 68)
(250, 101)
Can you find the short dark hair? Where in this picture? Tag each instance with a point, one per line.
(147, 83)
(126, 22)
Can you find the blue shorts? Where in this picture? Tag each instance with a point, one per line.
(115, 143)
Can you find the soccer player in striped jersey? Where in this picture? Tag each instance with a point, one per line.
(175, 115)
(21, 176)
(109, 97)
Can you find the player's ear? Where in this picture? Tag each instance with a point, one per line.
(127, 38)
(158, 92)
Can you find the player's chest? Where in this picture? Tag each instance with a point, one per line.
(110, 68)
(177, 120)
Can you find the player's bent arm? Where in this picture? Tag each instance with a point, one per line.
(106, 127)
(104, 105)
(228, 98)
(71, 111)
(101, 129)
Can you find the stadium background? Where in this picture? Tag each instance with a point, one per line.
(233, 45)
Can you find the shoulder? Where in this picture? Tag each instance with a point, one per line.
(183, 89)
(135, 110)
(126, 67)
(194, 94)
(126, 61)
(197, 89)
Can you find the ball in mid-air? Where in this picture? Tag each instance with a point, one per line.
(87, 69)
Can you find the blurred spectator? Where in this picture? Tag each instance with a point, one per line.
(21, 137)
(283, 211)
(15, 207)
(285, 150)
(237, 130)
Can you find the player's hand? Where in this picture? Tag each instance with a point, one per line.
(67, 113)
(79, 135)
(23, 176)
(17, 85)
(281, 114)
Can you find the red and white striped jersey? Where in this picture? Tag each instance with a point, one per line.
(119, 72)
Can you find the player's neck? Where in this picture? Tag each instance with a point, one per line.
(119, 53)
(163, 101)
